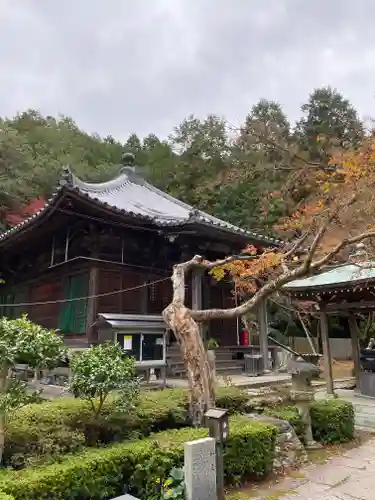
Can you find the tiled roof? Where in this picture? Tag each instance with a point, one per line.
(130, 194)
(348, 273)
(33, 206)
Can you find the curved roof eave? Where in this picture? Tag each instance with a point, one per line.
(130, 195)
(340, 276)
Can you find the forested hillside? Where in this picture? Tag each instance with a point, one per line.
(239, 174)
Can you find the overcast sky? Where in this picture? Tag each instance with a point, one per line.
(122, 66)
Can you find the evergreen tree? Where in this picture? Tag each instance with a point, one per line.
(330, 122)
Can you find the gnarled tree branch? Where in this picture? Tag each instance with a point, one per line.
(299, 272)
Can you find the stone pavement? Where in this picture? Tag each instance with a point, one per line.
(364, 408)
(244, 381)
(350, 476)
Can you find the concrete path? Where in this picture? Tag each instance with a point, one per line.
(243, 381)
(364, 409)
(347, 477)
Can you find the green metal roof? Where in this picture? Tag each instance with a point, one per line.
(348, 273)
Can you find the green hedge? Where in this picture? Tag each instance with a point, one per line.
(103, 473)
(291, 415)
(4, 496)
(62, 426)
(332, 421)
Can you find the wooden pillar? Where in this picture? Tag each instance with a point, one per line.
(355, 346)
(196, 291)
(206, 301)
(326, 353)
(263, 334)
(91, 310)
(144, 295)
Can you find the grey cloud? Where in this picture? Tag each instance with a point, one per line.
(123, 66)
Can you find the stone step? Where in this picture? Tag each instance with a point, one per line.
(365, 419)
(222, 357)
(176, 349)
(219, 364)
(225, 364)
(226, 370)
(175, 356)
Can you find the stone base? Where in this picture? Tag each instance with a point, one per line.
(330, 396)
(290, 452)
(313, 445)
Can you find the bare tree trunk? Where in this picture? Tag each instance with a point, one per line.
(200, 379)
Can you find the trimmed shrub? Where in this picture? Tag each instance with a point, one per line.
(332, 421)
(41, 431)
(142, 465)
(64, 425)
(291, 415)
(234, 399)
(4, 496)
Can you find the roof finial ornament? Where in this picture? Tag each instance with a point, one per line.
(128, 160)
(128, 164)
(194, 214)
(67, 177)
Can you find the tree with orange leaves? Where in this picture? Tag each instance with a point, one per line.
(336, 216)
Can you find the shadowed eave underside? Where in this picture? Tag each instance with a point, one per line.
(131, 195)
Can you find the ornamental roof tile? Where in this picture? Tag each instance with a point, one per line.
(130, 194)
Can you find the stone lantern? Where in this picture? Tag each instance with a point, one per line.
(302, 394)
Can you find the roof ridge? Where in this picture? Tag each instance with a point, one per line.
(138, 204)
(197, 214)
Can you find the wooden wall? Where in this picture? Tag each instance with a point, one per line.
(44, 290)
(145, 300)
(129, 302)
(223, 330)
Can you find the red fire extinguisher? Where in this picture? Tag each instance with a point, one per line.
(244, 338)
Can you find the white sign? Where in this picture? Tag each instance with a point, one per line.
(128, 342)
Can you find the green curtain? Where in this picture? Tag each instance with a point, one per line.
(73, 313)
(20, 296)
(2, 302)
(7, 298)
(13, 296)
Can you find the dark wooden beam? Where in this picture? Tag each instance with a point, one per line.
(326, 353)
(354, 334)
(263, 333)
(92, 301)
(350, 306)
(197, 292)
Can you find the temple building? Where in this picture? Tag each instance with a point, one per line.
(108, 248)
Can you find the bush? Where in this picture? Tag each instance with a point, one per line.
(98, 371)
(64, 425)
(4, 496)
(234, 399)
(291, 415)
(42, 431)
(143, 464)
(332, 421)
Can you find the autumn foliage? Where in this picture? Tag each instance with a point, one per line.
(342, 202)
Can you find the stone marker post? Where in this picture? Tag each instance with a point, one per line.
(200, 469)
(303, 395)
(218, 428)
